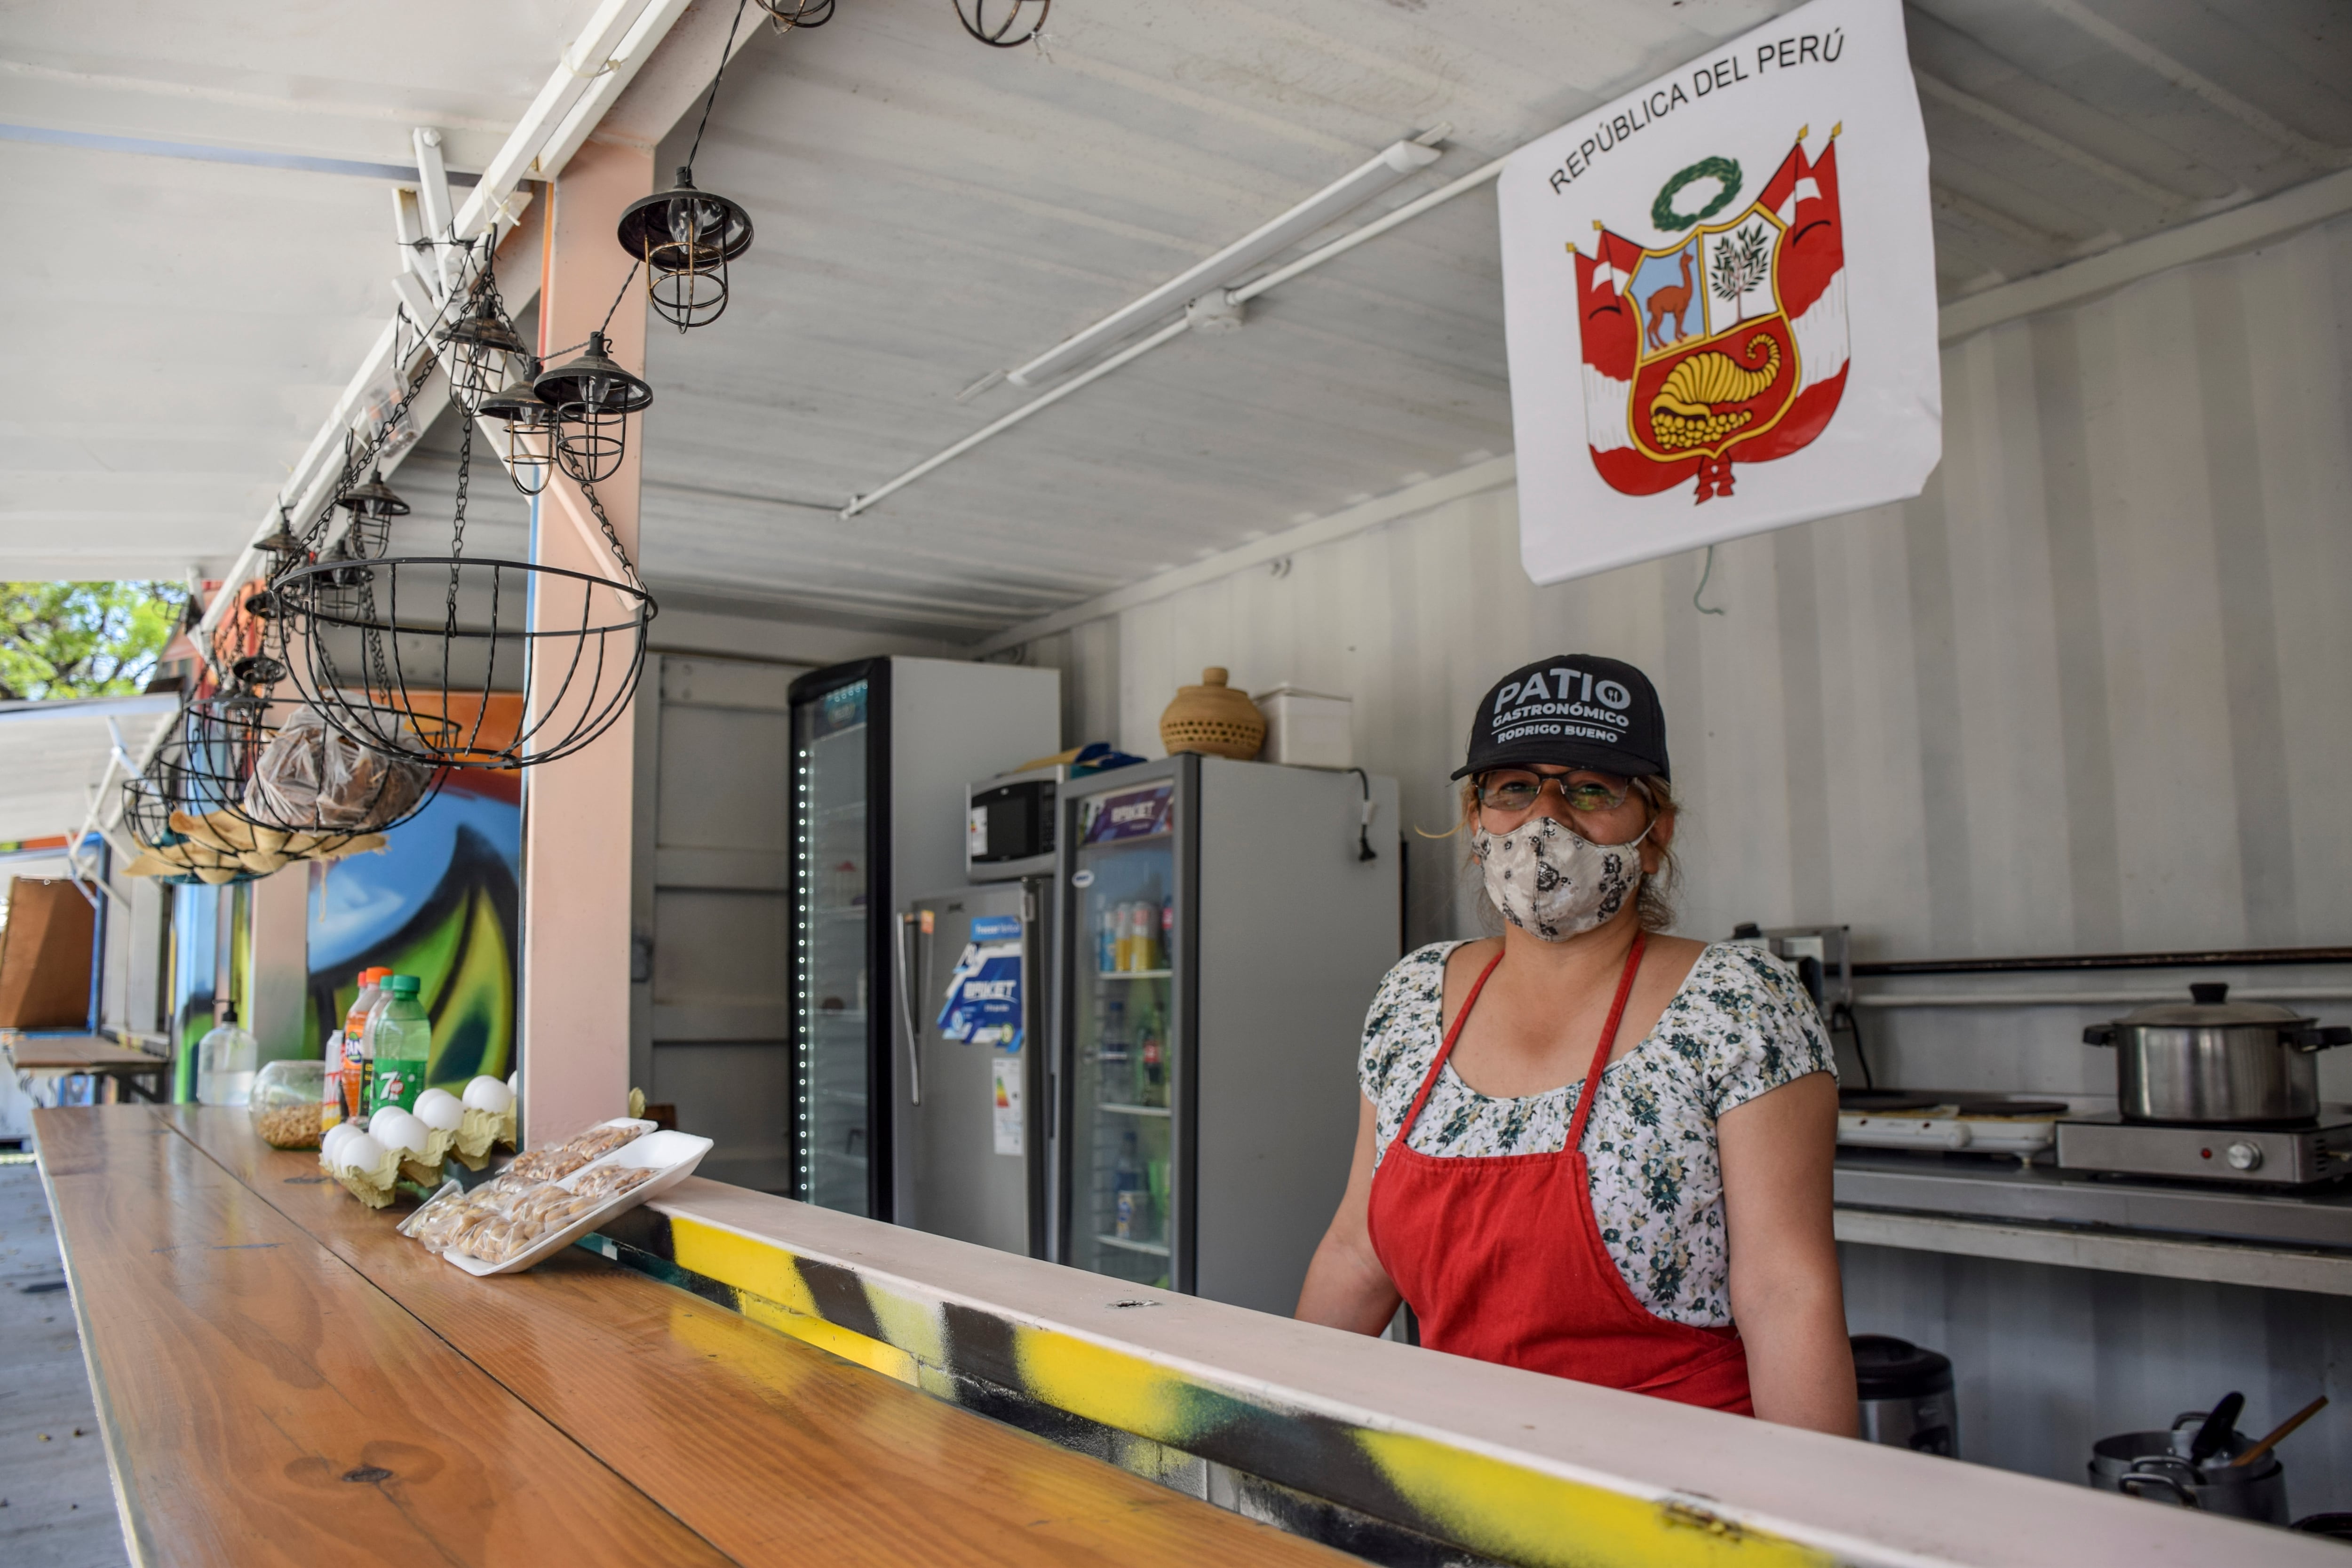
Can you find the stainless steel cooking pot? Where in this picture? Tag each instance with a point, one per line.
(2155, 1467)
(2213, 1061)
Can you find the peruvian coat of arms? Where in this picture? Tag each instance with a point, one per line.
(1728, 343)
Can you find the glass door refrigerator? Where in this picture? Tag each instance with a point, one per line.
(881, 751)
(1222, 926)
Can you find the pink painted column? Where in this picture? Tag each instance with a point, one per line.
(577, 812)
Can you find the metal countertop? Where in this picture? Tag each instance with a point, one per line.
(1986, 1187)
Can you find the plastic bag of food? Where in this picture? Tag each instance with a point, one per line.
(310, 776)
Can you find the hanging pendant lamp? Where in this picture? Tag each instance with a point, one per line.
(479, 342)
(284, 547)
(789, 14)
(528, 423)
(684, 237)
(372, 506)
(593, 398)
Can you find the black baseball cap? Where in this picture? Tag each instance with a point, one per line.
(1574, 711)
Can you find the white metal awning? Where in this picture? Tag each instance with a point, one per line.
(56, 756)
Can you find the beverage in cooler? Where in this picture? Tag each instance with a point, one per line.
(1223, 936)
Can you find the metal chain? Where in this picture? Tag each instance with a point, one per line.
(457, 542)
(628, 569)
(359, 454)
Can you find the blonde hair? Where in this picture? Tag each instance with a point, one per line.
(1655, 904)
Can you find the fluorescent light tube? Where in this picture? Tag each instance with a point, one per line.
(1225, 267)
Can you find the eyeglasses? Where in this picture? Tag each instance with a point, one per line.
(1584, 792)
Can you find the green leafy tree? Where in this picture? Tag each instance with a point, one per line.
(83, 639)
(1742, 261)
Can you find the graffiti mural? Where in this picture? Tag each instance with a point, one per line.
(443, 902)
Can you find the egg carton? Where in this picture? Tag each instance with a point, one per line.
(671, 1156)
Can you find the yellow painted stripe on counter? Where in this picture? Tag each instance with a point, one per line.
(768, 1279)
(1488, 1505)
(1114, 1387)
(847, 1343)
(914, 1326)
(760, 1266)
(1525, 1515)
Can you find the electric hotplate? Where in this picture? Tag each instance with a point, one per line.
(2319, 1150)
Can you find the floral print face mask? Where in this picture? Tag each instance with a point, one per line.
(1553, 884)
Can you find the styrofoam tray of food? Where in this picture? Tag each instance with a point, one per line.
(550, 1197)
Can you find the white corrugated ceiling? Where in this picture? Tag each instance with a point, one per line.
(178, 323)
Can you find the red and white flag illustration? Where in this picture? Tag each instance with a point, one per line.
(1681, 331)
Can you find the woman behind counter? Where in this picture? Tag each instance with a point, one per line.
(1669, 1234)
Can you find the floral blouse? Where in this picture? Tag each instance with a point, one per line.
(1739, 1024)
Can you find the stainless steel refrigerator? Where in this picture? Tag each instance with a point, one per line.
(976, 1005)
(881, 751)
(1221, 927)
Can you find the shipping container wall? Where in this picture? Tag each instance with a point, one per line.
(2085, 694)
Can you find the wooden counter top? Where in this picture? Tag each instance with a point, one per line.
(281, 1377)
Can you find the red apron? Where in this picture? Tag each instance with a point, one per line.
(1501, 1258)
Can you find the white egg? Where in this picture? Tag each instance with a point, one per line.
(334, 1140)
(397, 1129)
(435, 1097)
(442, 1114)
(488, 1094)
(362, 1153)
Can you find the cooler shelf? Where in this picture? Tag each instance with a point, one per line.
(1153, 1247)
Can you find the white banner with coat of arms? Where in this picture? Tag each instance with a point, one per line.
(1721, 296)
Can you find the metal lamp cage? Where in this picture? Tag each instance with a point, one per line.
(592, 398)
(528, 426)
(372, 505)
(481, 343)
(685, 238)
(462, 662)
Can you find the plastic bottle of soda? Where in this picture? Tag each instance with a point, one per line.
(403, 1044)
(355, 1055)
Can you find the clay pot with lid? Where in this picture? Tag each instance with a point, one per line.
(1213, 719)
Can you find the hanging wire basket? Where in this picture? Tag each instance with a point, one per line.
(231, 795)
(459, 662)
(151, 801)
(305, 790)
